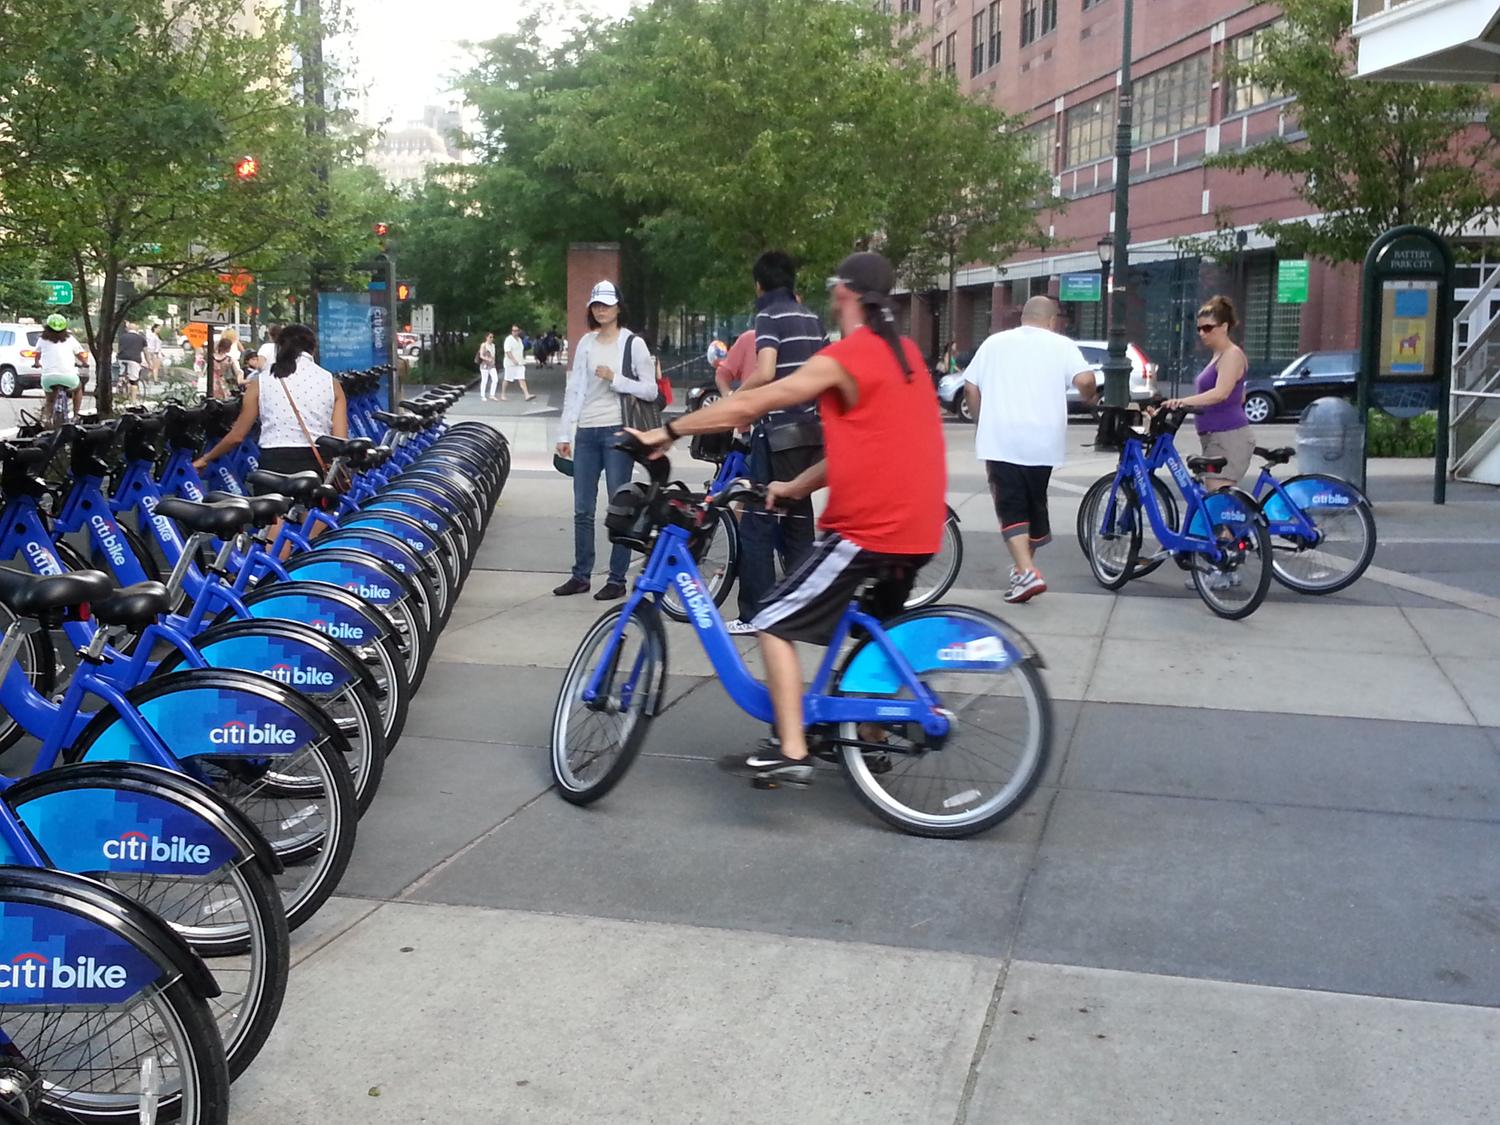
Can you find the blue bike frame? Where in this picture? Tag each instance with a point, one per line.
(1202, 506)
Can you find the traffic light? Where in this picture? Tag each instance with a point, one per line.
(405, 291)
(246, 168)
(382, 229)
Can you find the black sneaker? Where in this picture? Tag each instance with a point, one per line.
(572, 586)
(610, 591)
(768, 768)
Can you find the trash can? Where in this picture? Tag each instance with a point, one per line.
(1331, 439)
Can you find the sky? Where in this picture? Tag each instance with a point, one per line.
(406, 53)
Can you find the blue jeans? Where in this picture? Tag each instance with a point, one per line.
(762, 536)
(594, 453)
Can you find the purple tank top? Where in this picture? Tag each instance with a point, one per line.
(1221, 416)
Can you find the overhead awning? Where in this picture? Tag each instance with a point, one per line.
(1428, 40)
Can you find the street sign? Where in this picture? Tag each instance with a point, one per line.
(1292, 283)
(209, 311)
(196, 333)
(421, 320)
(1079, 287)
(61, 292)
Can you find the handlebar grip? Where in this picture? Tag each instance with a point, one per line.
(659, 469)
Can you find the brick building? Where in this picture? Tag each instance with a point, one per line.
(1054, 63)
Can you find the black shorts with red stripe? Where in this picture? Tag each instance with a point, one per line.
(1020, 495)
(807, 604)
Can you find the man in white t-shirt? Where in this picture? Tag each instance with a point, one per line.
(1017, 388)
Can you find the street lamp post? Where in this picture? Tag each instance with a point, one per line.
(1106, 255)
(1117, 363)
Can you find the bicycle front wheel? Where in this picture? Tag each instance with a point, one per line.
(1112, 538)
(716, 550)
(1345, 546)
(595, 740)
(995, 753)
(941, 572)
(1235, 587)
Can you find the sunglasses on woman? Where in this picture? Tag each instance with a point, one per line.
(1205, 329)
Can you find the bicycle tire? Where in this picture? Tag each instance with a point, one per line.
(1364, 516)
(37, 660)
(1114, 572)
(1166, 499)
(950, 560)
(725, 525)
(1256, 540)
(878, 796)
(642, 708)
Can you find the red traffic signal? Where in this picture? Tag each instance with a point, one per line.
(405, 291)
(382, 229)
(246, 168)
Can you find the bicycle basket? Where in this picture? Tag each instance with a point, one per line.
(628, 519)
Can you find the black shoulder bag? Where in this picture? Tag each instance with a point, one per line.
(637, 413)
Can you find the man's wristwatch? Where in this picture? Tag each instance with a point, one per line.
(670, 432)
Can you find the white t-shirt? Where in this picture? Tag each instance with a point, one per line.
(59, 357)
(515, 351)
(1023, 377)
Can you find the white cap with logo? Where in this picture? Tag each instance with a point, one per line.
(605, 293)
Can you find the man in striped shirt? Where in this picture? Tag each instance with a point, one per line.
(785, 443)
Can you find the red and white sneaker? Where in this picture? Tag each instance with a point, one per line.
(1025, 585)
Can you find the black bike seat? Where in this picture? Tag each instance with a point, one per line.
(266, 509)
(1207, 464)
(28, 595)
(299, 486)
(331, 447)
(405, 423)
(221, 519)
(133, 605)
(1276, 456)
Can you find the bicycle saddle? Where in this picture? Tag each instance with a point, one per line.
(222, 519)
(1276, 456)
(299, 486)
(133, 605)
(265, 509)
(423, 407)
(352, 448)
(1207, 464)
(405, 423)
(28, 595)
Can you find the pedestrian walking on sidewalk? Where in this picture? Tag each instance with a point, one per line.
(515, 363)
(1223, 427)
(596, 405)
(1017, 388)
(130, 350)
(489, 377)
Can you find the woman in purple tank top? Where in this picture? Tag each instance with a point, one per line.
(1219, 404)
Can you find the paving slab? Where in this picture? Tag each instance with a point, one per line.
(1306, 625)
(1076, 1046)
(1373, 765)
(1478, 681)
(1457, 632)
(680, 841)
(436, 796)
(1305, 898)
(337, 915)
(1409, 687)
(440, 1014)
(501, 589)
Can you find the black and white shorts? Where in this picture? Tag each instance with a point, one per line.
(807, 604)
(1020, 496)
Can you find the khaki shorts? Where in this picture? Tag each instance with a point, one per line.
(1238, 446)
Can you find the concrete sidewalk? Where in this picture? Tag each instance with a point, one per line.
(1258, 884)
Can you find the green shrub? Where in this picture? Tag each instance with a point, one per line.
(1402, 437)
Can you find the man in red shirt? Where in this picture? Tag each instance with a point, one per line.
(885, 468)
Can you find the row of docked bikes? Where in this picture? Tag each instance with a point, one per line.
(203, 675)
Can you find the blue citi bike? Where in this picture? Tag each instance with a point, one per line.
(1221, 538)
(938, 717)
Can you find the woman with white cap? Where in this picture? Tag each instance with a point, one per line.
(598, 383)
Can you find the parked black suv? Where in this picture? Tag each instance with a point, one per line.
(1307, 377)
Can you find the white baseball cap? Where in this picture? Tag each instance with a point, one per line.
(605, 293)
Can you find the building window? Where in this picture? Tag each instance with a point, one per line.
(937, 56)
(976, 45)
(1089, 129)
(913, 7)
(1273, 331)
(994, 54)
(1038, 17)
(1049, 16)
(1172, 100)
(1041, 144)
(950, 54)
(1246, 53)
(1087, 4)
(1028, 21)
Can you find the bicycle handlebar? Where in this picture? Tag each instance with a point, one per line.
(659, 469)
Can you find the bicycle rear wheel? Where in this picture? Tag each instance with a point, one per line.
(996, 750)
(941, 572)
(594, 741)
(1346, 536)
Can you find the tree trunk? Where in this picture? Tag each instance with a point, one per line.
(102, 343)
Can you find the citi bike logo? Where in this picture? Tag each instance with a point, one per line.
(163, 525)
(338, 630)
(42, 560)
(299, 677)
(192, 490)
(139, 847)
(106, 532)
(697, 601)
(367, 591)
(34, 971)
(1329, 500)
(236, 733)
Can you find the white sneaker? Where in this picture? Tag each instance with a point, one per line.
(1218, 580)
(740, 628)
(1025, 586)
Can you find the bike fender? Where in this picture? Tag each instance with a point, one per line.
(943, 638)
(369, 578)
(288, 652)
(387, 548)
(405, 528)
(332, 611)
(1228, 506)
(56, 919)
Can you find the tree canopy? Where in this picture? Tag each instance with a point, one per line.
(1374, 154)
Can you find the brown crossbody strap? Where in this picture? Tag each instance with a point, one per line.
(306, 433)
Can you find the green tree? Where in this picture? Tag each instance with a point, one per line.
(124, 125)
(701, 132)
(1375, 154)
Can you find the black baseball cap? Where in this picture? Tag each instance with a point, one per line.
(867, 273)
